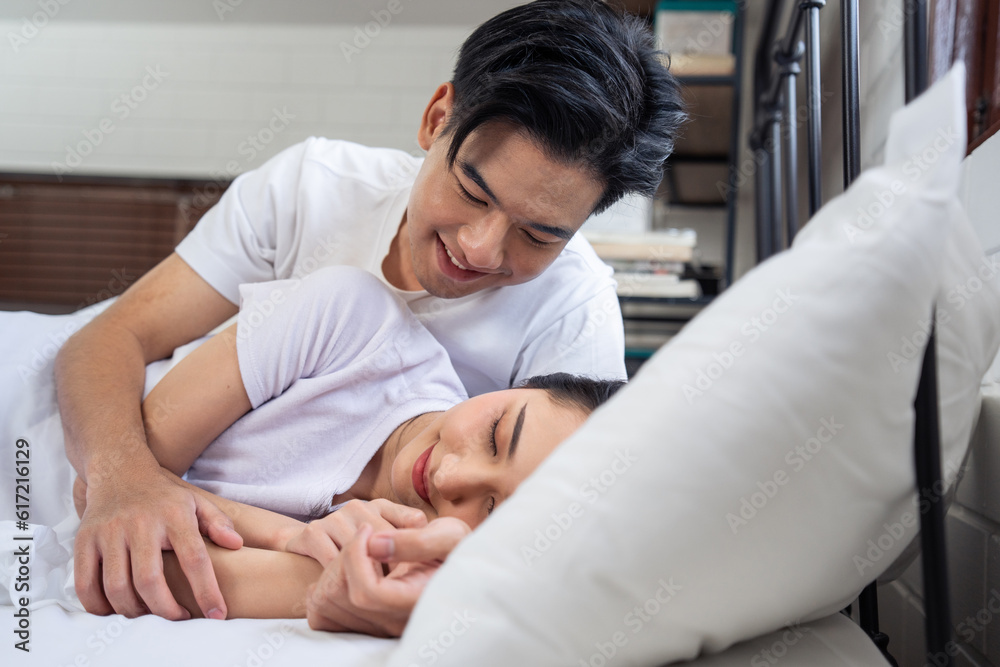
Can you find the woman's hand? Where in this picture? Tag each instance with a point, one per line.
(325, 538)
(354, 595)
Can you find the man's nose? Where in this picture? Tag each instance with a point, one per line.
(482, 242)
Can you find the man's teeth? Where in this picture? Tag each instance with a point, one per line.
(455, 261)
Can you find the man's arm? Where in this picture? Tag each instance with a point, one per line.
(259, 528)
(134, 511)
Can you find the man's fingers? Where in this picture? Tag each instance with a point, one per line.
(433, 542)
(87, 575)
(319, 622)
(192, 554)
(360, 570)
(345, 621)
(117, 571)
(151, 585)
(216, 524)
(325, 608)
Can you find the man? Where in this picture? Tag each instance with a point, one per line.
(556, 109)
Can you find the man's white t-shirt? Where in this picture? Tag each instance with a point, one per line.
(324, 202)
(333, 364)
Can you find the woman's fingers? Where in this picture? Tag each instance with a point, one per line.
(323, 539)
(316, 543)
(433, 542)
(399, 516)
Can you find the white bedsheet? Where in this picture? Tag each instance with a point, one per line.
(62, 634)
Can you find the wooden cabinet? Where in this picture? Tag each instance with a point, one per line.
(66, 245)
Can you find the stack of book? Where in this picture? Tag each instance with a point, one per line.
(698, 33)
(648, 264)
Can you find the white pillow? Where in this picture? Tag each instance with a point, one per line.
(758, 470)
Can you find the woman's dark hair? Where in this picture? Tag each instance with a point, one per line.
(582, 79)
(574, 391)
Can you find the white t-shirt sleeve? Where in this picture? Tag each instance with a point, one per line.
(235, 241)
(589, 340)
(300, 328)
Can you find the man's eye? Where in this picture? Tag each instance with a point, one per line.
(468, 197)
(492, 504)
(535, 241)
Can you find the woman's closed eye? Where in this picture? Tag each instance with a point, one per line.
(491, 503)
(493, 435)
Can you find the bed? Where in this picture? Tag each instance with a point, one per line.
(57, 631)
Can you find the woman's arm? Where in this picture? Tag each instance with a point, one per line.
(256, 583)
(195, 402)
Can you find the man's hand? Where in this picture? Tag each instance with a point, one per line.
(126, 524)
(323, 539)
(354, 595)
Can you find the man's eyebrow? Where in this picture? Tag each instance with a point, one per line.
(516, 435)
(473, 175)
(558, 232)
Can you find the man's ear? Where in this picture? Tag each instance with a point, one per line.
(436, 115)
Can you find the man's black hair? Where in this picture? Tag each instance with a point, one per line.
(582, 79)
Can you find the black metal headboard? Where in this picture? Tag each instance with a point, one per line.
(776, 69)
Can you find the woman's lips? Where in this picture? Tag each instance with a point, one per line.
(419, 475)
(449, 269)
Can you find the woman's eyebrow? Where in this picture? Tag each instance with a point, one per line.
(516, 435)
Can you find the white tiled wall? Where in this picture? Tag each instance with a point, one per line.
(223, 95)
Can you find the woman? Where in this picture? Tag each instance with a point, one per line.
(328, 390)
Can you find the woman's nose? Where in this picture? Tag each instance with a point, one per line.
(458, 477)
(482, 242)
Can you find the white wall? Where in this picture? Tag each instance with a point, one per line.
(225, 96)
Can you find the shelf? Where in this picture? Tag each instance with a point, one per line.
(694, 194)
(706, 80)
